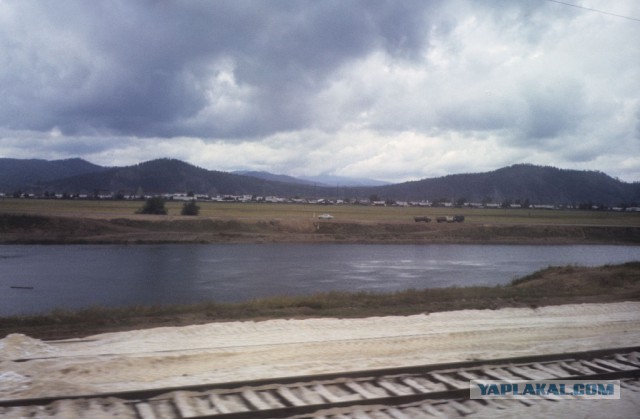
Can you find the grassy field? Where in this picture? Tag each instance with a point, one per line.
(551, 286)
(352, 213)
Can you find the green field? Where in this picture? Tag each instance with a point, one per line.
(352, 213)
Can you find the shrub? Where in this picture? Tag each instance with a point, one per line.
(190, 208)
(153, 206)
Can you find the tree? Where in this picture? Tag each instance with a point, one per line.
(190, 208)
(153, 205)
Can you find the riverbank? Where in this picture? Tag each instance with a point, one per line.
(548, 287)
(83, 229)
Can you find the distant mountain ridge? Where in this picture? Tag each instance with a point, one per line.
(325, 181)
(169, 176)
(340, 181)
(535, 184)
(271, 176)
(24, 173)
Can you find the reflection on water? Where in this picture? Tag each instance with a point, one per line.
(111, 275)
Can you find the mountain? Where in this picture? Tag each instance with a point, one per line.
(322, 181)
(273, 177)
(522, 182)
(333, 181)
(171, 175)
(538, 184)
(23, 174)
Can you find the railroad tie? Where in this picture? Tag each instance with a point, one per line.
(232, 402)
(219, 404)
(396, 390)
(287, 394)
(429, 409)
(145, 411)
(461, 407)
(254, 400)
(451, 409)
(329, 396)
(469, 375)
(309, 395)
(183, 404)
(396, 413)
(495, 404)
(554, 369)
(499, 374)
(359, 394)
(575, 367)
(613, 364)
(452, 382)
(595, 366)
(358, 388)
(420, 383)
(634, 357)
(628, 360)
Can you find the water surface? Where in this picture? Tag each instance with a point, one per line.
(77, 276)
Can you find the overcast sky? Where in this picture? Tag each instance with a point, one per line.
(390, 90)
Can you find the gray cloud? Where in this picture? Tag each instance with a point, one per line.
(367, 88)
(145, 68)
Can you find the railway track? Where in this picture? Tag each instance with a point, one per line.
(440, 390)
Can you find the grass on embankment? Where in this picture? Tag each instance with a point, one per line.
(551, 286)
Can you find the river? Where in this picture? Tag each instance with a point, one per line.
(38, 279)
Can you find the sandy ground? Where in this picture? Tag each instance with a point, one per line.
(221, 352)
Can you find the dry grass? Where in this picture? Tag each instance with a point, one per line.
(131, 229)
(351, 213)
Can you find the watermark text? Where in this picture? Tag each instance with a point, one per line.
(536, 389)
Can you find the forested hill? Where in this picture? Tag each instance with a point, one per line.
(522, 182)
(537, 184)
(21, 173)
(169, 176)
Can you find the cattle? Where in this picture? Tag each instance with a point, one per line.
(425, 219)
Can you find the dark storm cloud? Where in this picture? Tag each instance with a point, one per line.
(143, 67)
(393, 90)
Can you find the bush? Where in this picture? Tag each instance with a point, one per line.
(153, 206)
(190, 208)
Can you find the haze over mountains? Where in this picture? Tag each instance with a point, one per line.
(536, 184)
(326, 180)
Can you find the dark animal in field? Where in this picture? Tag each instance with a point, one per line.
(425, 219)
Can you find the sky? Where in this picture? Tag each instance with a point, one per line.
(388, 90)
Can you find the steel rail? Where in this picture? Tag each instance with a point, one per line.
(304, 395)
